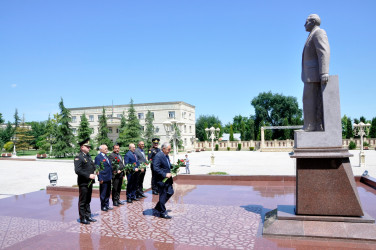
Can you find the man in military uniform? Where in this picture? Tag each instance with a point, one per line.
(117, 175)
(152, 152)
(84, 168)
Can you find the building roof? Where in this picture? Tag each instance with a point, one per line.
(136, 105)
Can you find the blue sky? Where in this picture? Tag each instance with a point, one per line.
(214, 54)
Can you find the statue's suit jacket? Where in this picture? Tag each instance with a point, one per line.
(316, 56)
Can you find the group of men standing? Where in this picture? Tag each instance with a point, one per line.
(112, 173)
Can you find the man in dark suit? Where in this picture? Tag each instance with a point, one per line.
(84, 168)
(104, 177)
(142, 159)
(117, 175)
(315, 71)
(131, 158)
(152, 152)
(162, 168)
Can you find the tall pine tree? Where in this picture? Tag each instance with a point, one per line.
(102, 137)
(349, 129)
(84, 132)
(23, 137)
(17, 119)
(149, 132)
(121, 139)
(372, 132)
(64, 145)
(132, 132)
(231, 133)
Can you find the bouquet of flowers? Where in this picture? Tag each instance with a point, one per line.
(115, 165)
(144, 165)
(174, 171)
(181, 162)
(97, 170)
(128, 168)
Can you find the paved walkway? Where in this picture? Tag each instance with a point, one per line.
(19, 177)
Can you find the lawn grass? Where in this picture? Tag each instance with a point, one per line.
(27, 152)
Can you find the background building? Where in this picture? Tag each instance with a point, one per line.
(162, 111)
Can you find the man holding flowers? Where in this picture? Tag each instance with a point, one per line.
(117, 175)
(162, 168)
(131, 158)
(104, 177)
(142, 159)
(84, 168)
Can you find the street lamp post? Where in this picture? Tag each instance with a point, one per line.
(212, 134)
(14, 139)
(50, 138)
(170, 126)
(361, 130)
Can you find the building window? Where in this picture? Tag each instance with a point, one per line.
(92, 130)
(185, 128)
(156, 130)
(110, 130)
(190, 129)
(99, 117)
(74, 130)
(117, 131)
(142, 128)
(91, 118)
(74, 119)
(190, 116)
(140, 116)
(183, 115)
(152, 114)
(109, 116)
(171, 114)
(119, 116)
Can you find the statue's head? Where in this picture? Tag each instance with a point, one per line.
(312, 21)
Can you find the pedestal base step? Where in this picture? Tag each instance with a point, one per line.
(283, 222)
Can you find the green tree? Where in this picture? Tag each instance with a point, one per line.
(363, 119)
(7, 133)
(286, 132)
(64, 135)
(205, 121)
(84, 131)
(121, 140)
(242, 130)
(23, 137)
(38, 129)
(344, 126)
(349, 129)
(102, 137)
(251, 130)
(372, 132)
(17, 119)
(132, 132)
(231, 133)
(1, 119)
(149, 132)
(272, 109)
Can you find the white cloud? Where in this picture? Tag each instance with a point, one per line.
(13, 85)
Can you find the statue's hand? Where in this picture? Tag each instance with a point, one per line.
(324, 78)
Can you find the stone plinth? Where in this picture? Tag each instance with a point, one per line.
(331, 137)
(325, 183)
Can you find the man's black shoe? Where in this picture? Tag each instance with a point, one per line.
(109, 208)
(129, 200)
(155, 192)
(84, 221)
(143, 195)
(115, 203)
(91, 219)
(165, 216)
(120, 202)
(104, 209)
(135, 199)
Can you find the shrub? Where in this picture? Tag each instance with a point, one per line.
(216, 147)
(251, 148)
(218, 173)
(228, 148)
(365, 144)
(8, 146)
(124, 184)
(352, 145)
(239, 146)
(41, 152)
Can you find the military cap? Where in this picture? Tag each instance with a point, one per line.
(155, 140)
(85, 142)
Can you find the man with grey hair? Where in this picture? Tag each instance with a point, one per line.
(315, 71)
(131, 158)
(162, 168)
(104, 177)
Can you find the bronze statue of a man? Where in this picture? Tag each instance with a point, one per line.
(315, 71)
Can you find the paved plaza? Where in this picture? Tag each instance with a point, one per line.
(19, 177)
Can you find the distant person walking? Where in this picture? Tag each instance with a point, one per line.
(187, 171)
